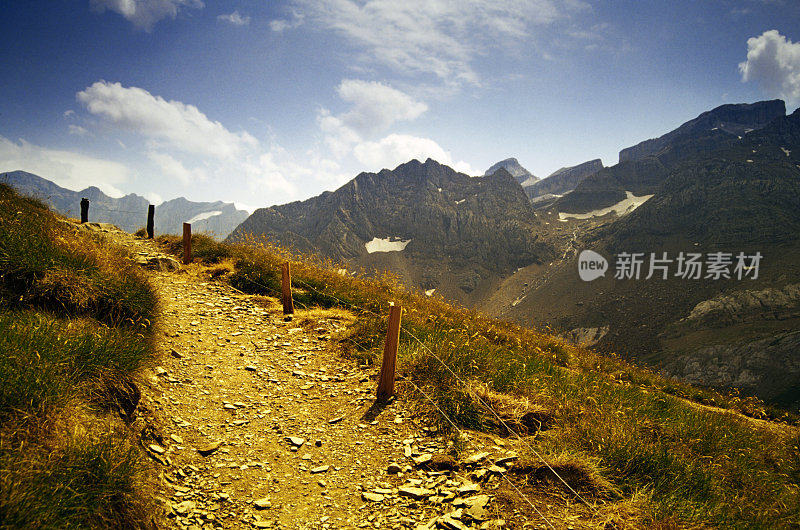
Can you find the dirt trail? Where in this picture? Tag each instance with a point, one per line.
(254, 423)
(289, 416)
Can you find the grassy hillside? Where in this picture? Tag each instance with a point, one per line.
(76, 323)
(649, 451)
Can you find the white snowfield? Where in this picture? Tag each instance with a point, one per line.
(629, 204)
(203, 216)
(386, 245)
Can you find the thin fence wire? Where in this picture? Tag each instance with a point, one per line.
(463, 435)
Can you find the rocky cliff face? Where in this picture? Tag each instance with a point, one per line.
(522, 175)
(455, 231)
(643, 168)
(130, 212)
(737, 119)
(563, 180)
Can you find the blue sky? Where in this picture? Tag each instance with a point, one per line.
(263, 102)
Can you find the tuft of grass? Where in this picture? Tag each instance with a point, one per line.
(47, 361)
(80, 483)
(44, 263)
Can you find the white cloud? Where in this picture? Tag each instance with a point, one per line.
(235, 18)
(77, 130)
(396, 149)
(67, 169)
(154, 198)
(68, 113)
(438, 37)
(773, 61)
(179, 125)
(375, 106)
(339, 138)
(172, 168)
(144, 14)
(280, 24)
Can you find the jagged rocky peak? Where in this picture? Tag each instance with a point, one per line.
(737, 119)
(515, 169)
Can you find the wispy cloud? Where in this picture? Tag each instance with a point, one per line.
(144, 14)
(177, 124)
(374, 109)
(77, 130)
(773, 61)
(282, 24)
(234, 18)
(437, 37)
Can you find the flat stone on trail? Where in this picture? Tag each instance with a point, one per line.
(296, 441)
(507, 459)
(251, 368)
(336, 420)
(262, 504)
(446, 521)
(414, 493)
(477, 500)
(475, 458)
(372, 497)
(422, 459)
(184, 507)
(157, 449)
(320, 469)
(209, 449)
(468, 488)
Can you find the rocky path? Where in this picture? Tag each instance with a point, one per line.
(261, 426)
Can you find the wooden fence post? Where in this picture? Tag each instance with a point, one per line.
(84, 210)
(151, 213)
(386, 383)
(286, 284)
(187, 243)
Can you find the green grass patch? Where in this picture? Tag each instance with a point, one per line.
(78, 483)
(48, 361)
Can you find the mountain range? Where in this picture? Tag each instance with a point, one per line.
(436, 228)
(712, 191)
(130, 212)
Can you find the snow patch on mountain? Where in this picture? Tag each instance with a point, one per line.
(625, 206)
(386, 245)
(203, 216)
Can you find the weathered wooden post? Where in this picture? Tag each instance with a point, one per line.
(151, 213)
(187, 243)
(286, 284)
(84, 210)
(386, 383)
